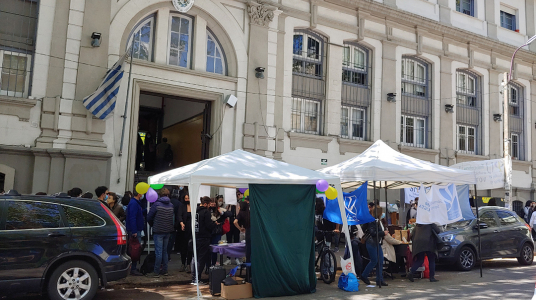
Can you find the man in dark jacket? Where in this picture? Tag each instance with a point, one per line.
(203, 232)
(424, 244)
(135, 224)
(160, 217)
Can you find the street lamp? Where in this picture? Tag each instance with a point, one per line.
(506, 129)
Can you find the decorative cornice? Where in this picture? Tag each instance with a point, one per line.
(260, 13)
(177, 69)
(309, 141)
(19, 107)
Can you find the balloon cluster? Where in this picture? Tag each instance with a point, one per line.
(149, 190)
(244, 191)
(322, 186)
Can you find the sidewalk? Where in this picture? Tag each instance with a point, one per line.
(175, 277)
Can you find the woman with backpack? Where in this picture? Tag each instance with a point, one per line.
(373, 237)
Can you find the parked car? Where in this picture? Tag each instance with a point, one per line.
(65, 247)
(503, 235)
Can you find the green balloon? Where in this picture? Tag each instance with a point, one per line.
(319, 192)
(157, 186)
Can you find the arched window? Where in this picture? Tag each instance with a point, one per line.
(180, 41)
(416, 103)
(215, 56)
(142, 36)
(516, 119)
(468, 112)
(308, 82)
(356, 92)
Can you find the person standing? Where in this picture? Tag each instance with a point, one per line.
(185, 223)
(242, 222)
(174, 198)
(160, 217)
(75, 192)
(412, 211)
(116, 207)
(203, 232)
(233, 236)
(532, 222)
(135, 224)
(102, 194)
(374, 237)
(163, 155)
(424, 238)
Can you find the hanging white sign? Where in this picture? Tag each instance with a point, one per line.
(489, 173)
(183, 5)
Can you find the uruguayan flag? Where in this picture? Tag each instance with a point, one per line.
(102, 102)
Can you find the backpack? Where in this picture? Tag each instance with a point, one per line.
(168, 154)
(226, 226)
(148, 264)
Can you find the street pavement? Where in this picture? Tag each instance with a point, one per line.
(503, 279)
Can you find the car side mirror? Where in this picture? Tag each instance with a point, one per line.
(482, 226)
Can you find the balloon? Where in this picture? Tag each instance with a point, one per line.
(243, 190)
(151, 195)
(157, 186)
(319, 192)
(331, 193)
(142, 188)
(322, 185)
(246, 193)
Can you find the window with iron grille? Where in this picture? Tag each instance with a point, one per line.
(466, 139)
(468, 112)
(308, 82)
(356, 92)
(352, 123)
(416, 103)
(465, 7)
(142, 36)
(516, 120)
(412, 131)
(18, 23)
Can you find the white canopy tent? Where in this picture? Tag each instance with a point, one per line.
(238, 169)
(395, 170)
(382, 164)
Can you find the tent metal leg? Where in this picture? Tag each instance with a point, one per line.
(478, 226)
(377, 233)
(386, 204)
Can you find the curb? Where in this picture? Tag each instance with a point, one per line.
(133, 285)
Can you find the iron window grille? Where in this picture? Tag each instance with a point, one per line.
(308, 82)
(180, 41)
(508, 20)
(356, 92)
(465, 7)
(416, 103)
(468, 112)
(143, 36)
(215, 55)
(18, 23)
(516, 120)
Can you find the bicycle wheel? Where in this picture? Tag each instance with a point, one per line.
(328, 266)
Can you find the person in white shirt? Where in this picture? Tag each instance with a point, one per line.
(532, 222)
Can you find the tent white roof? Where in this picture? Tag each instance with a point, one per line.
(382, 163)
(238, 169)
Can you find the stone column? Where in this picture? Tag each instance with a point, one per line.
(491, 18)
(389, 118)
(531, 23)
(494, 99)
(200, 40)
(334, 90)
(162, 33)
(259, 130)
(448, 120)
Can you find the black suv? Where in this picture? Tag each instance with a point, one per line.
(503, 235)
(66, 247)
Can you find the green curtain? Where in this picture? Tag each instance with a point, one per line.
(282, 239)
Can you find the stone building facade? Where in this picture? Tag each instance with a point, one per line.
(422, 75)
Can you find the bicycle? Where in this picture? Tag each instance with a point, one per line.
(328, 262)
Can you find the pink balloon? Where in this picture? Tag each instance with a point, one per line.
(151, 195)
(322, 185)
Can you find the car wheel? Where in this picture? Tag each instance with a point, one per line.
(527, 255)
(74, 279)
(466, 259)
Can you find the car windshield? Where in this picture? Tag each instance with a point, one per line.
(459, 224)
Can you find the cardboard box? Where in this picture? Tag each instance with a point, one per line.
(404, 235)
(398, 235)
(240, 291)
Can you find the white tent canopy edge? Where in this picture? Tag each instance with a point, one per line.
(239, 169)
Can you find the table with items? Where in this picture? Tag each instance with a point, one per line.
(235, 250)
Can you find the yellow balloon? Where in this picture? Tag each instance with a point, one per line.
(331, 193)
(246, 193)
(142, 187)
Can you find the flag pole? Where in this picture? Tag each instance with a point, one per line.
(124, 116)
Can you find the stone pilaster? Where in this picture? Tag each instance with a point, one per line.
(390, 122)
(448, 120)
(494, 99)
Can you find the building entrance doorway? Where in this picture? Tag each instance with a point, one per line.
(172, 132)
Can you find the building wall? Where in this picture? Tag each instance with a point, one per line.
(68, 68)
